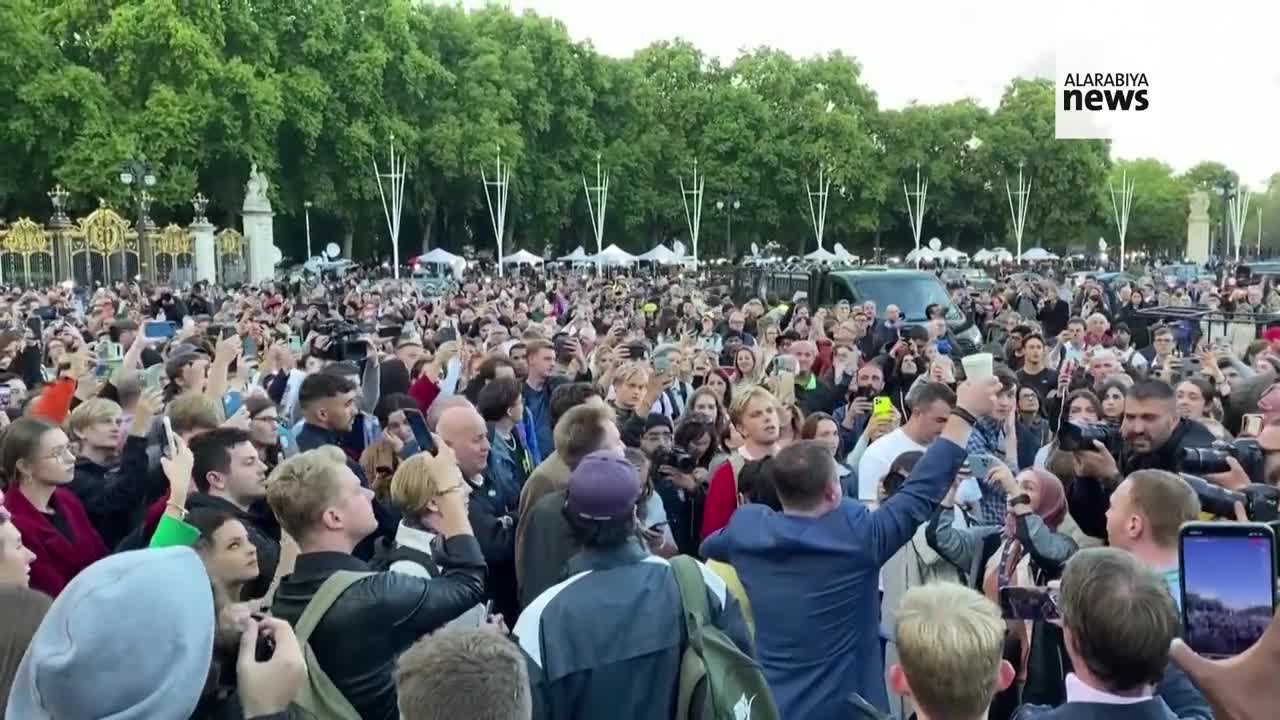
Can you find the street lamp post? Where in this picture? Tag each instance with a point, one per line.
(60, 222)
(137, 176)
(306, 209)
(729, 205)
(1226, 190)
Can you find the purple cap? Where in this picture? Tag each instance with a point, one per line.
(604, 486)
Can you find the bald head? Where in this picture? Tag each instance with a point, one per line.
(464, 431)
(439, 407)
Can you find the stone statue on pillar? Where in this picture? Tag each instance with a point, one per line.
(1198, 228)
(202, 233)
(259, 231)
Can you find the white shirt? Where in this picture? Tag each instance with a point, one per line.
(877, 460)
(1078, 691)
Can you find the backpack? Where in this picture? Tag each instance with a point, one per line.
(717, 680)
(319, 698)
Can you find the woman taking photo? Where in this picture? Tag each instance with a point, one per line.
(36, 465)
(383, 456)
(704, 404)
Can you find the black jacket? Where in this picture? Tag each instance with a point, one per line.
(116, 498)
(822, 397)
(264, 533)
(1089, 498)
(493, 519)
(607, 644)
(379, 617)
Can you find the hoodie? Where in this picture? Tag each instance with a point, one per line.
(153, 607)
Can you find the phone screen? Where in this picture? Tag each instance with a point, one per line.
(1228, 585)
(231, 402)
(157, 329)
(421, 434)
(1251, 425)
(1028, 603)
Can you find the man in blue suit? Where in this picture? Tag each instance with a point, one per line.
(1118, 621)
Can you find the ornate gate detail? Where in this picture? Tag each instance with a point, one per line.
(105, 248)
(231, 265)
(26, 254)
(172, 257)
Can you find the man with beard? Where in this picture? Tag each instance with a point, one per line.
(1154, 439)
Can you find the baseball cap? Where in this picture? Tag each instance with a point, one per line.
(604, 486)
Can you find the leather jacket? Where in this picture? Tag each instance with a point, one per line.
(379, 617)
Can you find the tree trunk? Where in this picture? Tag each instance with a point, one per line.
(428, 221)
(348, 238)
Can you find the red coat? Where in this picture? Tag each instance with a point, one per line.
(58, 558)
(721, 501)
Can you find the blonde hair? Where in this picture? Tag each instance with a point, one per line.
(630, 371)
(193, 411)
(420, 480)
(303, 487)
(91, 412)
(744, 397)
(950, 640)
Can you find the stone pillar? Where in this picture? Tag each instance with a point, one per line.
(204, 255)
(1198, 228)
(259, 228)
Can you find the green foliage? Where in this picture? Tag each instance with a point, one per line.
(312, 90)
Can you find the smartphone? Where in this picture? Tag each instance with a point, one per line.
(1029, 603)
(169, 437)
(250, 348)
(295, 343)
(784, 364)
(1251, 425)
(157, 329)
(231, 402)
(390, 332)
(102, 368)
(1228, 585)
(6, 393)
(662, 364)
(421, 434)
(881, 406)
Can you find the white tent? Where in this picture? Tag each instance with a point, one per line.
(953, 255)
(660, 255)
(821, 255)
(440, 256)
(578, 255)
(523, 257)
(1038, 253)
(613, 255)
(845, 255)
(997, 254)
(923, 254)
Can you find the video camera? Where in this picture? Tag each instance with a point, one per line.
(1213, 459)
(677, 458)
(1074, 436)
(1261, 502)
(345, 342)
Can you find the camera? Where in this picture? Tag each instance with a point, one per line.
(1073, 436)
(677, 458)
(1213, 459)
(1261, 502)
(345, 342)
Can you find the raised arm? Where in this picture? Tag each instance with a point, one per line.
(894, 522)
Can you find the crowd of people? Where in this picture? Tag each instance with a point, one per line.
(549, 496)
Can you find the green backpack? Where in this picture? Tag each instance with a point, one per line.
(717, 680)
(319, 698)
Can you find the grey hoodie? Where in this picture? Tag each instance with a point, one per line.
(130, 638)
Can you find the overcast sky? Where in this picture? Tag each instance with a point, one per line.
(931, 51)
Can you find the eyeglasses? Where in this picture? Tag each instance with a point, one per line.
(62, 453)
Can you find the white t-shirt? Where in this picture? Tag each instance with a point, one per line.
(877, 460)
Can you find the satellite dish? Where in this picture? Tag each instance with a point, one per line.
(332, 250)
(1102, 244)
(755, 249)
(935, 244)
(274, 253)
